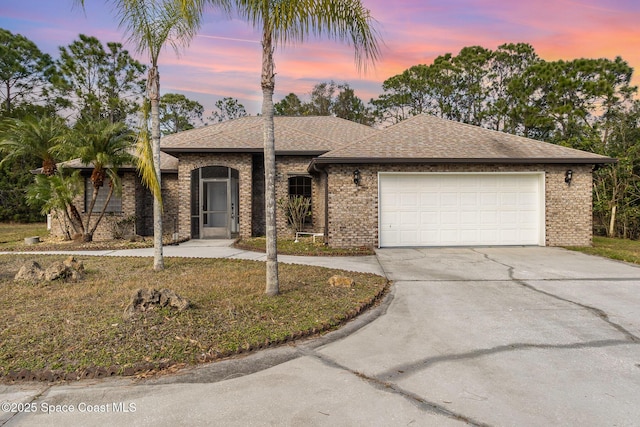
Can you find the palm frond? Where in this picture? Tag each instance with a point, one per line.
(291, 21)
(152, 24)
(144, 156)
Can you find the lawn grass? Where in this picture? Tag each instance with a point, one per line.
(620, 249)
(305, 246)
(74, 327)
(12, 235)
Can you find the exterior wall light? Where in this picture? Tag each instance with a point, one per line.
(568, 176)
(356, 177)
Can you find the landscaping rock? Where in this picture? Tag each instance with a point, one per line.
(30, 272)
(74, 265)
(170, 298)
(62, 270)
(148, 299)
(33, 272)
(341, 281)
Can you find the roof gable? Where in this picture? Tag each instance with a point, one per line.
(429, 138)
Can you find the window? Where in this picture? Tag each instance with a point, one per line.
(115, 204)
(301, 186)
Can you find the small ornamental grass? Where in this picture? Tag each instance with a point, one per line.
(70, 326)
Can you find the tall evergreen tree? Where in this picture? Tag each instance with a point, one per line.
(25, 74)
(227, 109)
(178, 113)
(102, 83)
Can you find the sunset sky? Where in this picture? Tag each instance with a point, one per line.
(224, 59)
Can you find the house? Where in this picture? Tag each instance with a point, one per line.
(221, 171)
(425, 181)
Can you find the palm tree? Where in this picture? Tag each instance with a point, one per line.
(284, 21)
(55, 194)
(151, 25)
(33, 137)
(106, 146)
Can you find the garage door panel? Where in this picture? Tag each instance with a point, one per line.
(408, 199)
(468, 199)
(449, 235)
(449, 199)
(389, 235)
(410, 237)
(449, 218)
(460, 209)
(468, 218)
(509, 218)
(469, 235)
(409, 219)
(486, 218)
(508, 199)
(488, 199)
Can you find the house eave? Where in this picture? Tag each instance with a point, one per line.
(242, 151)
(190, 150)
(86, 169)
(323, 161)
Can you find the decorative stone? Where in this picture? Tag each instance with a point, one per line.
(62, 270)
(33, 272)
(30, 272)
(148, 299)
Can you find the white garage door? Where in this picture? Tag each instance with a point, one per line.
(448, 209)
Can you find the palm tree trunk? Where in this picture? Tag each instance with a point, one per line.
(104, 209)
(88, 235)
(268, 85)
(76, 219)
(154, 98)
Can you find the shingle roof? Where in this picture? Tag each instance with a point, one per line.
(314, 135)
(168, 164)
(428, 138)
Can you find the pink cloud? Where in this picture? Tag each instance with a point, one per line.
(224, 60)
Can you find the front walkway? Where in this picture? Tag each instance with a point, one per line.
(222, 248)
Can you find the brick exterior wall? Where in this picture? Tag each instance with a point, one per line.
(105, 230)
(319, 202)
(188, 162)
(568, 208)
(170, 201)
(251, 208)
(286, 167)
(353, 210)
(137, 203)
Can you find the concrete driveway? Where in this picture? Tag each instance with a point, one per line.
(489, 336)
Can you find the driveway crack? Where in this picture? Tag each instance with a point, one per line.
(411, 368)
(389, 387)
(601, 314)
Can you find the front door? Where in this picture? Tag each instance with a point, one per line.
(216, 212)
